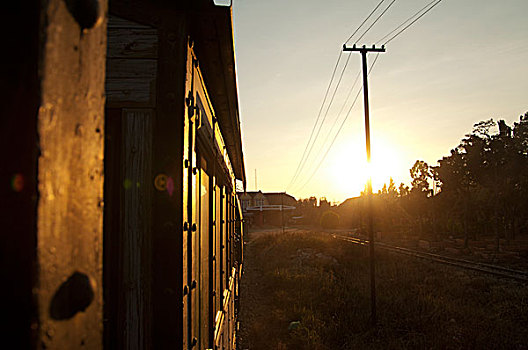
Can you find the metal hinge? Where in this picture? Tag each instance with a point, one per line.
(190, 104)
(189, 100)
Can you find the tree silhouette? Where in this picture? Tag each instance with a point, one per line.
(479, 190)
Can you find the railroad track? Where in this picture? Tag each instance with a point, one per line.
(496, 270)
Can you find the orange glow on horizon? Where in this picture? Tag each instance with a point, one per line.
(350, 171)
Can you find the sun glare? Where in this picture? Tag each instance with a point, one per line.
(350, 171)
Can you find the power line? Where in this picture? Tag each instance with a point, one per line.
(331, 144)
(376, 20)
(306, 154)
(339, 114)
(414, 21)
(326, 114)
(316, 121)
(405, 22)
(339, 130)
(414, 18)
(350, 92)
(366, 19)
(308, 148)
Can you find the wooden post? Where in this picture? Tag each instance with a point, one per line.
(68, 217)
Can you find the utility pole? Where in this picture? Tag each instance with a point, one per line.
(364, 50)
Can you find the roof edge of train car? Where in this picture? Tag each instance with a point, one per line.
(214, 46)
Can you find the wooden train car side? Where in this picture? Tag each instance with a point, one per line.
(172, 113)
(123, 230)
(211, 217)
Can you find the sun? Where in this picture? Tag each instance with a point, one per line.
(349, 169)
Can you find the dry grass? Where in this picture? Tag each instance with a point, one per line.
(323, 283)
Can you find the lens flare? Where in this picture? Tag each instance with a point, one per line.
(17, 182)
(127, 183)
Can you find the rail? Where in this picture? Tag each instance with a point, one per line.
(447, 260)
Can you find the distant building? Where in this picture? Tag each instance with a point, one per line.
(252, 199)
(280, 198)
(274, 208)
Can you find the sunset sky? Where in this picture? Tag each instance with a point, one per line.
(463, 62)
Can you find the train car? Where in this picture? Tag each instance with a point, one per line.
(172, 75)
(123, 229)
(212, 220)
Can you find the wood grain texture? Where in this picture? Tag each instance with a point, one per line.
(70, 180)
(132, 43)
(131, 82)
(132, 64)
(137, 155)
(118, 22)
(130, 92)
(131, 68)
(167, 235)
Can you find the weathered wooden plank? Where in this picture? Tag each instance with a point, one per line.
(167, 229)
(112, 242)
(118, 22)
(137, 159)
(139, 91)
(70, 178)
(131, 68)
(132, 43)
(131, 81)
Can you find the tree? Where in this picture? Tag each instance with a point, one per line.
(403, 190)
(481, 187)
(391, 190)
(420, 174)
(485, 178)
